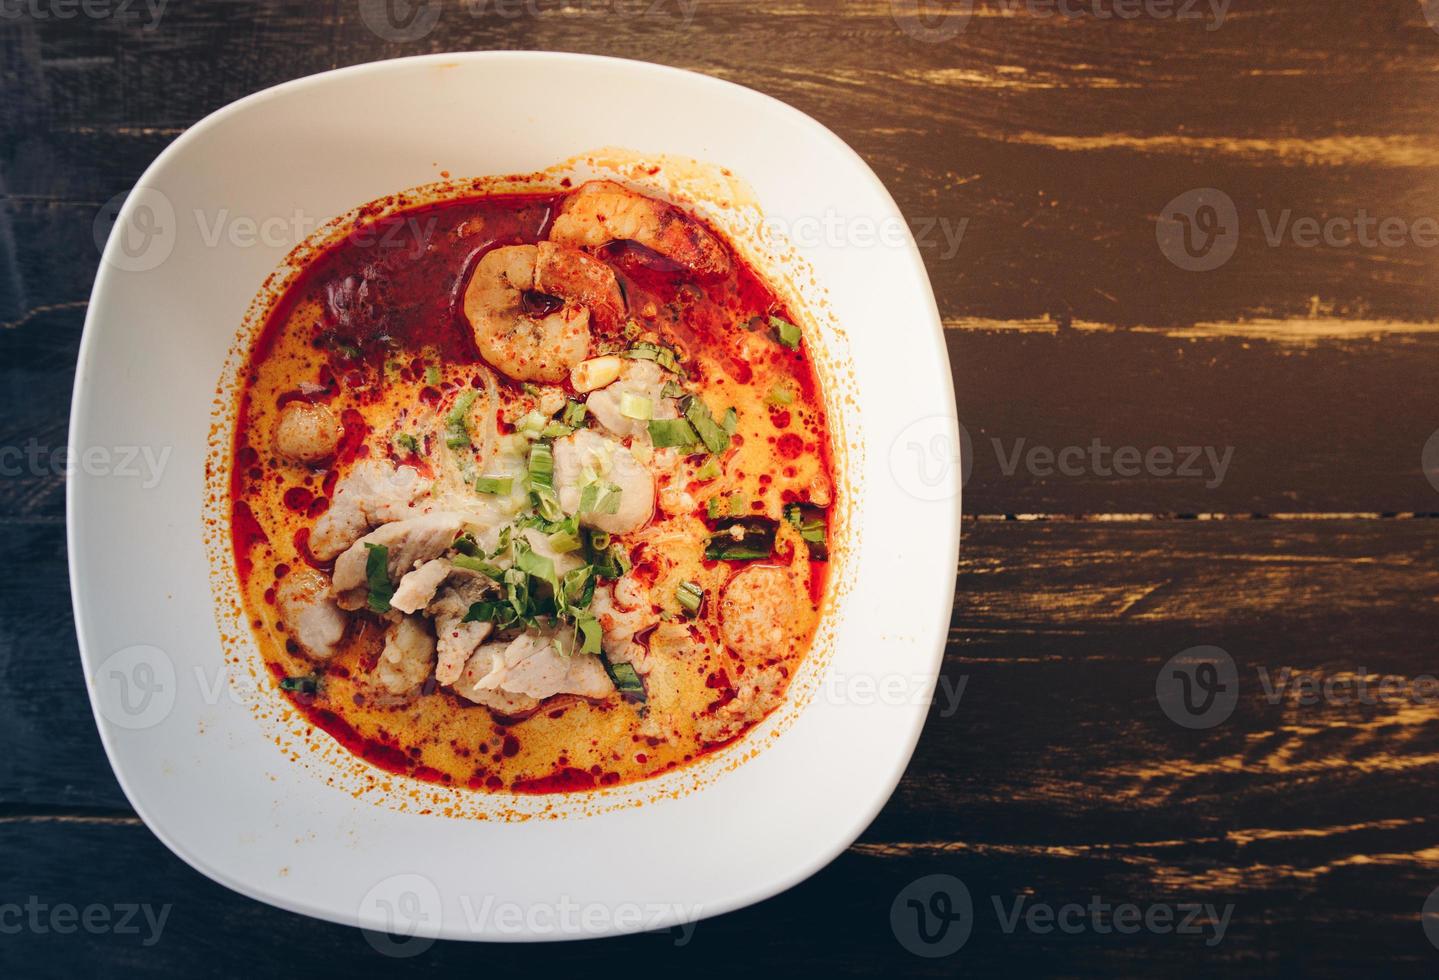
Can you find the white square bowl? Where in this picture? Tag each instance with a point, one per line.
(232, 779)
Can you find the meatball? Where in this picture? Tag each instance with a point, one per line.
(757, 609)
(311, 616)
(307, 433)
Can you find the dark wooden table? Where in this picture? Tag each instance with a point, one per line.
(1044, 162)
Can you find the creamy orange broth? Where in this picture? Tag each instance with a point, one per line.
(374, 331)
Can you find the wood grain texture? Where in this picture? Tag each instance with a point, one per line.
(1054, 773)
(1032, 156)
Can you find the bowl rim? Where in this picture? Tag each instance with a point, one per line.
(81, 409)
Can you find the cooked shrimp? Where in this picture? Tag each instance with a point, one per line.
(602, 211)
(531, 306)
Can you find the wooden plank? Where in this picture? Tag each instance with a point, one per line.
(837, 923)
(1059, 635)
(1060, 629)
(56, 760)
(1056, 197)
(1336, 427)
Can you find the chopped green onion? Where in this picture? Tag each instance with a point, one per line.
(609, 559)
(625, 679)
(672, 390)
(466, 544)
(547, 504)
(785, 332)
(457, 423)
(542, 465)
(532, 424)
(711, 470)
(691, 597)
(566, 539)
(632, 329)
(600, 498)
(730, 422)
(502, 546)
(663, 356)
(499, 485)
(810, 523)
(377, 577)
(477, 565)
(490, 611)
(574, 414)
(715, 438)
(406, 443)
(535, 565)
(577, 590)
(672, 432)
(780, 394)
(305, 684)
(517, 590)
(721, 505)
(588, 634)
(634, 406)
(542, 473)
(556, 430)
(741, 539)
(432, 374)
